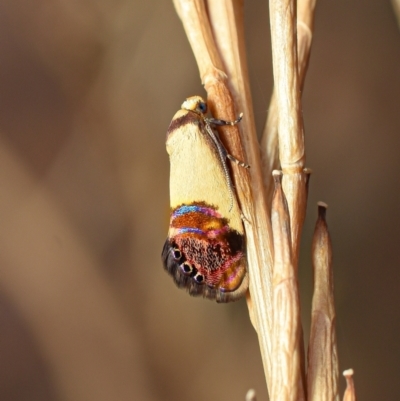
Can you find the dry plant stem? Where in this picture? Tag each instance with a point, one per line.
(291, 148)
(323, 369)
(305, 26)
(290, 125)
(396, 7)
(226, 18)
(270, 146)
(258, 231)
(287, 382)
(350, 392)
(269, 141)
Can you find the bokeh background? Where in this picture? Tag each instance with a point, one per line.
(87, 90)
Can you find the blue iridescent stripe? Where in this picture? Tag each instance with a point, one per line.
(185, 230)
(192, 209)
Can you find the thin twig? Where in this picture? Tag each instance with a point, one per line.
(396, 7)
(249, 189)
(226, 17)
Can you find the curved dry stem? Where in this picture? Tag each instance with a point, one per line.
(227, 27)
(396, 7)
(226, 19)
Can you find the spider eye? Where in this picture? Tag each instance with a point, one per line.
(203, 107)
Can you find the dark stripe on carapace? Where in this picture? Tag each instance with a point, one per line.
(189, 117)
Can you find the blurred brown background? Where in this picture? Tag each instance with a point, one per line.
(87, 90)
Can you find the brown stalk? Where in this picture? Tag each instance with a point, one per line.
(283, 133)
(226, 97)
(226, 17)
(396, 7)
(350, 392)
(305, 27)
(270, 146)
(287, 383)
(323, 367)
